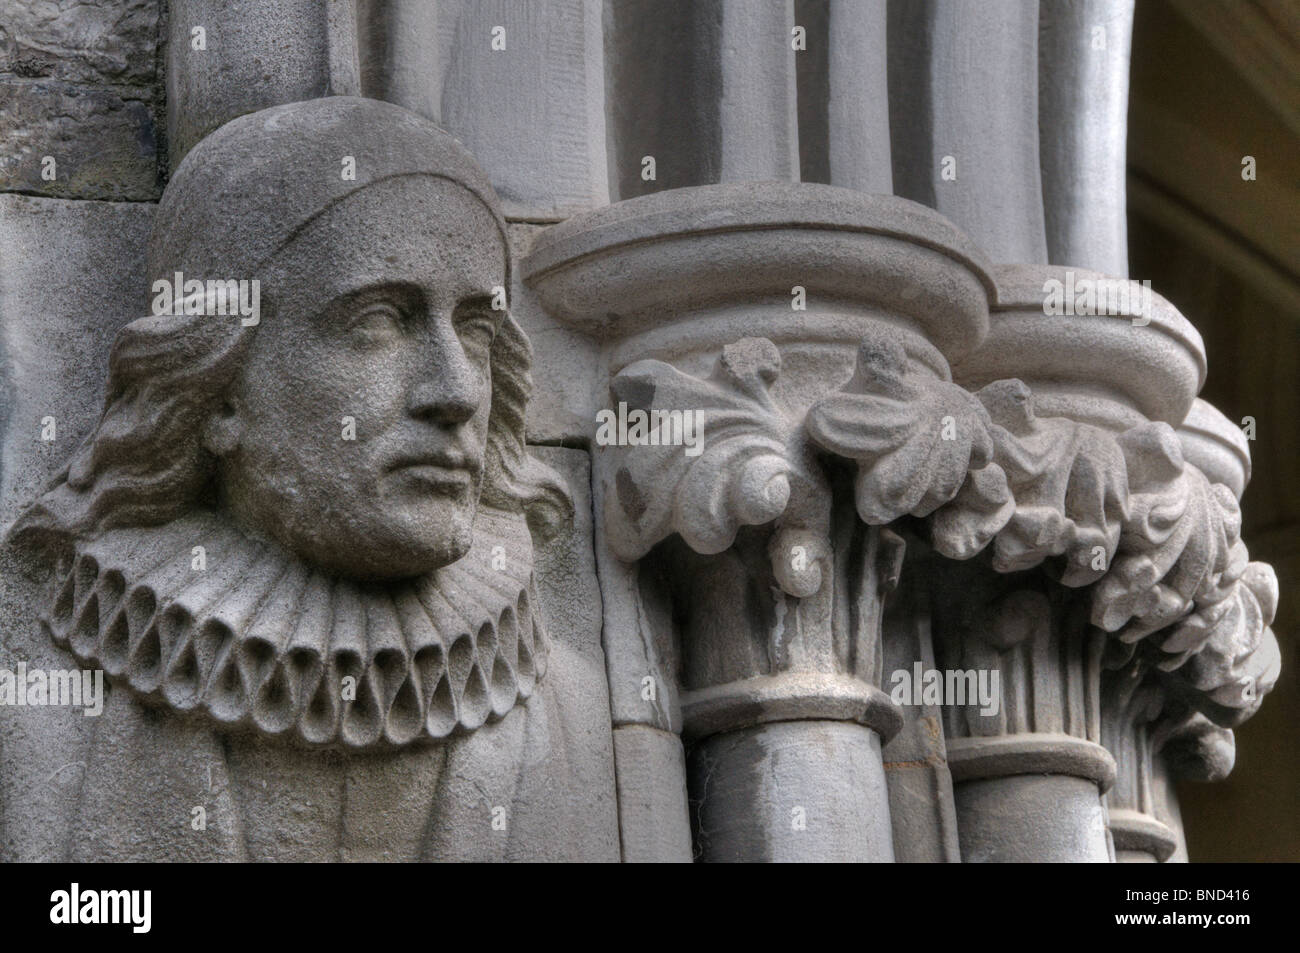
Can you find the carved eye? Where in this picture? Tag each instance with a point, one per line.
(376, 323)
(476, 326)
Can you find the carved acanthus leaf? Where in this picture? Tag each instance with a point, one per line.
(1179, 546)
(914, 440)
(1068, 482)
(742, 473)
(1237, 660)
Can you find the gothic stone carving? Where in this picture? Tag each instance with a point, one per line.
(317, 524)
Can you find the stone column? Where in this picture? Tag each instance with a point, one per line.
(225, 59)
(811, 328)
(843, 82)
(963, 115)
(1083, 65)
(705, 89)
(1077, 435)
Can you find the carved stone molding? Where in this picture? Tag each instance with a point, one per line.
(1162, 737)
(1051, 471)
(812, 328)
(1104, 499)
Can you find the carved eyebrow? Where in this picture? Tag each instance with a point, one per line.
(401, 293)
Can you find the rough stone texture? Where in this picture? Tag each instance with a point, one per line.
(809, 790)
(537, 781)
(496, 622)
(564, 398)
(705, 88)
(79, 82)
(921, 806)
(1216, 446)
(843, 94)
(535, 111)
(1083, 67)
(71, 275)
(522, 85)
(764, 638)
(654, 820)
(963, 82)
(1052, 819)
(257, 53)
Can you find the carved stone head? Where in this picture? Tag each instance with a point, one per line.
(379, 394)
(334, 486)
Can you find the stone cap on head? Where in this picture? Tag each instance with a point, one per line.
(246, 189)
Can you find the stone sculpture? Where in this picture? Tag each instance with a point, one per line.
(313, 534)
(358, 595)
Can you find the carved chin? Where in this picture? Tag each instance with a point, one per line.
(390, 552)
(404, 557)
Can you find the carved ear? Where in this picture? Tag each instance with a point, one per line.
(223, 431)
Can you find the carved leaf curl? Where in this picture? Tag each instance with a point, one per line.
(1068, 482)
(1179, 546)
(914, 439)
(742, 475)
(1236, 661)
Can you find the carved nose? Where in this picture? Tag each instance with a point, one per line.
(448, 393)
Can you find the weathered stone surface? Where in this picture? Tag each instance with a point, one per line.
(71, 275)
(79, 83)
(654, 818)
(565, 398)
(522, 85)
(791, 791)
(391, 548)
(964, 114)
(249, 55)
(1083, 67)
(705, 89)
(366, 599)
(922, 810)
(752, 569)
(844, 94)
(1022, 819)
(535, 111)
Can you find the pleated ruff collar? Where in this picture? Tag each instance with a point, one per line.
(260, 639)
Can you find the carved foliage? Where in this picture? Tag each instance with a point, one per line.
(914, 440)
(1157, 541)
(742, 474)
(1069, 485)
